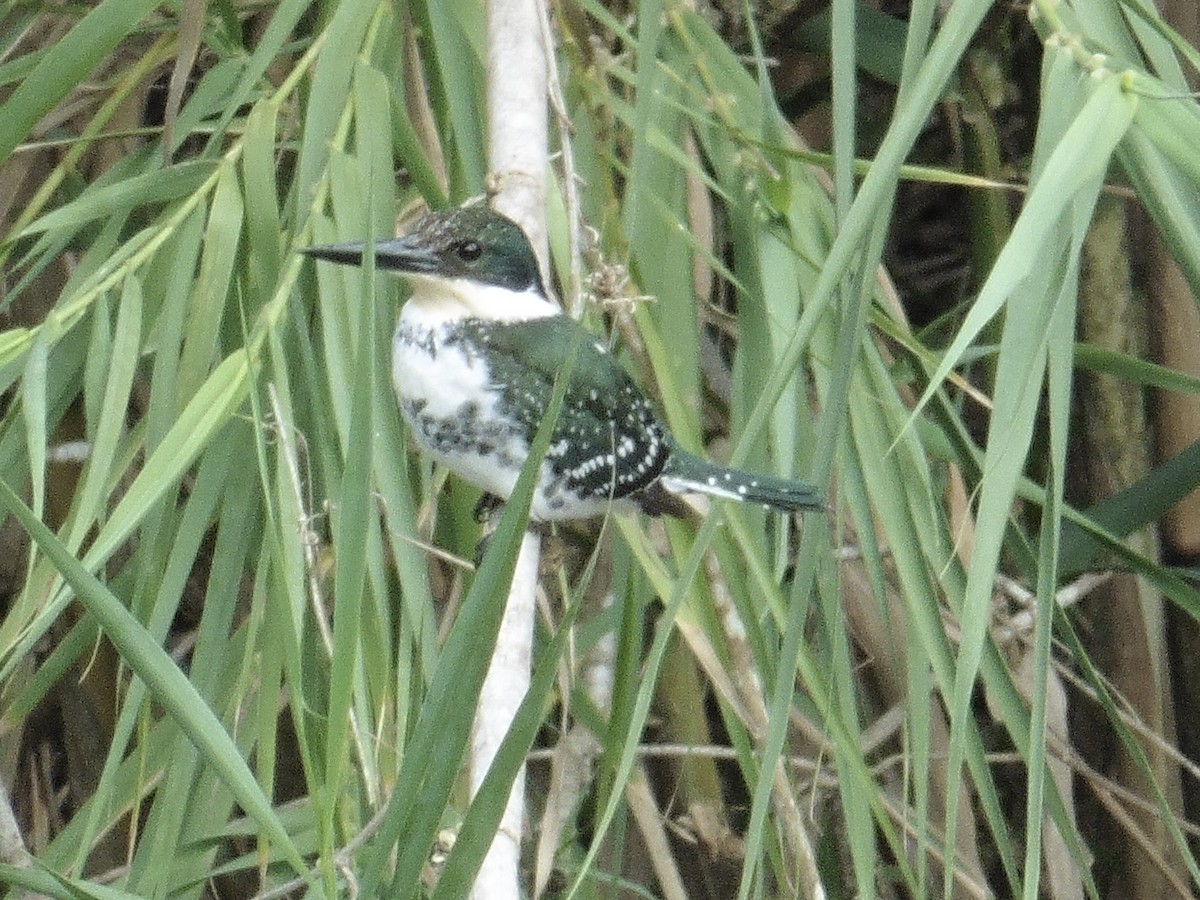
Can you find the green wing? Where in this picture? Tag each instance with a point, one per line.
(608, 439)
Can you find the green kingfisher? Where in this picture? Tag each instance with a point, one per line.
(474, 358)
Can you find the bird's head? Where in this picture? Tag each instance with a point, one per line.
(470, 257)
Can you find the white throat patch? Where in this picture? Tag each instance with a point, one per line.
(447, 300)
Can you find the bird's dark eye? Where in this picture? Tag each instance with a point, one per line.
(468, 251)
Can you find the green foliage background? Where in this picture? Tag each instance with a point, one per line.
(249, 533)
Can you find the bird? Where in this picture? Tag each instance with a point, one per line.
(475, 354)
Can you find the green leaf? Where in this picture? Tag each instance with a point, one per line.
(151, 663)
(65, 64)
(159, 186)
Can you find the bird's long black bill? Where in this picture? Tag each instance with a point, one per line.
(398, 255)
(347, 254)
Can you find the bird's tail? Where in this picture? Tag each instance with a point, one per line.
(686, 473)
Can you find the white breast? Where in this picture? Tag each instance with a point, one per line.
(449, 403)
(428, 371)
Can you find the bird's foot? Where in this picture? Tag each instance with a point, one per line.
(487, 508)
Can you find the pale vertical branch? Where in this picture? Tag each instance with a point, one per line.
(517, 119)
(12, 844)
(517, 164)
(749, 686)
(575, 755)
(504, 688)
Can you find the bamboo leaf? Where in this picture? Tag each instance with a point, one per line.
(161, 186)
(169, 686)
(65, 64)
